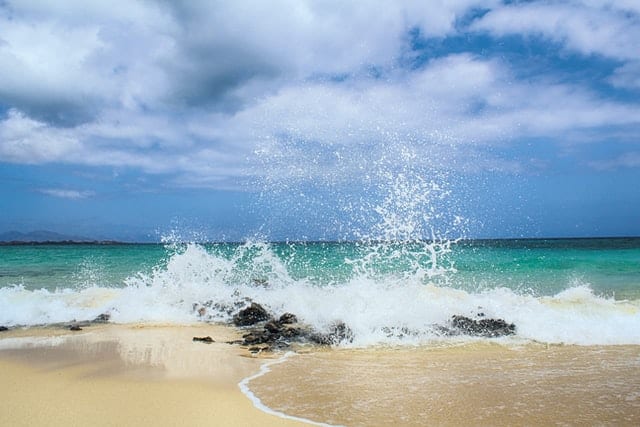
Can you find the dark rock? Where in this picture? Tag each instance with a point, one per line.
(102, 318)
(287, 319)
(258, 337)
(251, 338)
(215, 311)
(251, 315)
(273, 326)
(3, 328)
(485, 327)
(274, 335)
(206, 340)
(338, 332)
(281, 333)
(75, 328)
(291, 332)
(399, 332)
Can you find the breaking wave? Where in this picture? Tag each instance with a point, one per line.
(389, 294)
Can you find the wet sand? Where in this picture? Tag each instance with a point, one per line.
(473, 384)
(156, 375)
(126, 375)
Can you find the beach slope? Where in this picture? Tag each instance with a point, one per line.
(126, 375)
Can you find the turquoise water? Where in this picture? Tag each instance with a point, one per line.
(580, 291)
(75, 266)
(610, 267)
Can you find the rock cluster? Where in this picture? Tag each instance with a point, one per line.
(490, 328)
(251, 315)
(266, 332)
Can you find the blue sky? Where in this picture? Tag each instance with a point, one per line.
(320, 120)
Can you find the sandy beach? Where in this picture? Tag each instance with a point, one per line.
(157, 375)
(126, 375)
(481, 383)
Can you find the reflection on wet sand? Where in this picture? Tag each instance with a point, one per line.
(144, 351)
(126, 375)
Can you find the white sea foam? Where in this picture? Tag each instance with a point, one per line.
(382, 309)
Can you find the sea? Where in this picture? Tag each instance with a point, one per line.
(389, 293)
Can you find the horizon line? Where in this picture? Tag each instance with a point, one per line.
(114, 242)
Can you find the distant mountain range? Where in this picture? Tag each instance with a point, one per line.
(41, 236)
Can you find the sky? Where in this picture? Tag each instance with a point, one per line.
(295, 119)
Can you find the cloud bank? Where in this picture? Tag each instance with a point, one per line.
(197, 92)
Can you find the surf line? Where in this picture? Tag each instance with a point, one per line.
(264, 369)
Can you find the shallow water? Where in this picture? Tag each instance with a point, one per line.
(476, 384)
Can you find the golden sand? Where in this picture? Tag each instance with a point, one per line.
(121, 375)
(156, 375)
(469, 385)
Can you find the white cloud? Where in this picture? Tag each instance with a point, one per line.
(62, 66)
(75, 58)
(66, 194)
(24, 140)
(626, 160)
(192, 89)
(458, 98)
(589, 27)
(450, 111)
(627, 76)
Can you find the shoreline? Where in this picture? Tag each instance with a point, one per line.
(127, 375)
(155, 374)
(257, 402)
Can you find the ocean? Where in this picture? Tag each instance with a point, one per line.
(572, 291)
